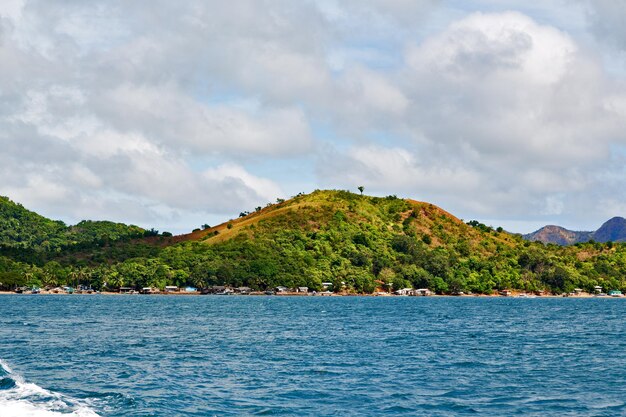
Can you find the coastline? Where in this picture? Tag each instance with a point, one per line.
(261, 294)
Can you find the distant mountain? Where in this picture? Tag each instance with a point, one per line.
(558, 235)
(613, 230)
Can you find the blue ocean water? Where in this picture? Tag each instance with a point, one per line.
(310, 356)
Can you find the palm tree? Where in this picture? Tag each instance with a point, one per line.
(83, 275)
(28, 277)
(74, 277)
(48, 278)
(114, 279)
(198, 281)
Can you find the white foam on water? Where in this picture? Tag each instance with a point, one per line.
(5, 367)
(22, 408)
(30, 400)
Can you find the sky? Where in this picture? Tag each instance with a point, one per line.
(173, 114)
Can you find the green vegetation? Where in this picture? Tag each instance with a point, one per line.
(357, 243)
(23, 229)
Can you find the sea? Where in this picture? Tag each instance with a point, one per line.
(98, 355)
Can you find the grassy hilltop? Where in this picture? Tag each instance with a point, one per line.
(359, 243)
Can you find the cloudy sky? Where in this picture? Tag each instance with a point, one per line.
(172, 114)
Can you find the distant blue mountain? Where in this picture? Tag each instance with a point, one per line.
(614, 230)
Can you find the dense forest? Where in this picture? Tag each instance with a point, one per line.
(358, 243)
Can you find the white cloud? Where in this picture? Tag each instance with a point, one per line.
(90, 123)
(174, 119)
(508, 117)
(396, 169)
(371, 94)
(509, 46)
(514, 91)
(194, 109)
(254, 186)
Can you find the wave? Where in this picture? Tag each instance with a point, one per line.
(19, 398)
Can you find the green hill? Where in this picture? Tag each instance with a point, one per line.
(356, 243)
(24, 229)
(32, 237)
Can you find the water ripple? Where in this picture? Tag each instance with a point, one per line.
(309, 356)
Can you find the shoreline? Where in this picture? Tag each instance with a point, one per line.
(261, 294)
